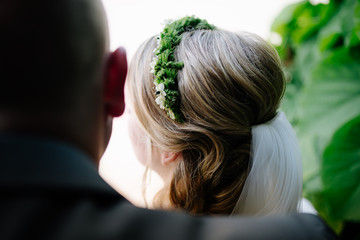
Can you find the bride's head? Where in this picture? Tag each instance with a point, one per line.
(229, 83)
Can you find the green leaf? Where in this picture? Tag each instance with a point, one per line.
(306, 59)
(311, 153)
(299, 21)
(341, 172)
(333, 95)
(357, 19)
(355, 33)
(340, 29)
(299, 75)
(330, 35)
(349, 23)
(282, 23)
(329, 100)
(311, 19)
(321, 52)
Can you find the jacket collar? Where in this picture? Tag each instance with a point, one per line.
(39, 163)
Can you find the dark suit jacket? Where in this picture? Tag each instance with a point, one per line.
(50, 190)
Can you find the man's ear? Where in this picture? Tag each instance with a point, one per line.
(170, 157)
(115, 75)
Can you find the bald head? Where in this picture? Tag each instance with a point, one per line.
(52, 52)
(53, 58)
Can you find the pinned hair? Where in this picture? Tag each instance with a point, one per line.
(229, 82)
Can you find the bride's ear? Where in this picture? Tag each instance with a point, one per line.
(168, 158)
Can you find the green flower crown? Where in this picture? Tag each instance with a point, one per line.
(165, 68)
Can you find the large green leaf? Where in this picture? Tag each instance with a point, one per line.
(287, 17)
(310, 20)
(355, 32)
(299, 22)
(357, 19)
(324, 91)
(333, 95)
(284, 24)
(353, 37)
(299, 75)
(321, 53)
(329, 100)
(341, 173)
(341, 28)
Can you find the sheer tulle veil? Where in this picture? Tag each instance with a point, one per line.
(274, 183)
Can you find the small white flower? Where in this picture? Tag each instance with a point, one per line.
(160, 100)
(160, 87)
(171, 114)
(152, 65)
(158, 41)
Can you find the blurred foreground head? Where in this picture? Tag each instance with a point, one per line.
(52, 67)
(51, 53)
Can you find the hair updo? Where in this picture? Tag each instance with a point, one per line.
(229, 83)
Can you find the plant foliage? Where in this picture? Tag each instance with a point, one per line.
(321, 52)
(165, 67)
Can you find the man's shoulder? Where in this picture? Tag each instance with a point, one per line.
(50, 191)
(84, 215)
(71, 215)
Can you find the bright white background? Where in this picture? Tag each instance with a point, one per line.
(133, 21)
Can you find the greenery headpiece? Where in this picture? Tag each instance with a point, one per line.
(165, 68)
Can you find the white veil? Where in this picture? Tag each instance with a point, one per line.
(274, 183)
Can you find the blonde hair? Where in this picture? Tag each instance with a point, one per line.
(229, 83)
